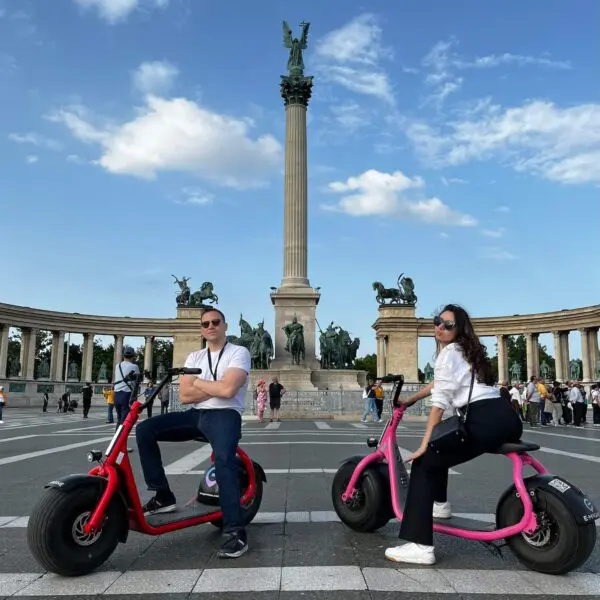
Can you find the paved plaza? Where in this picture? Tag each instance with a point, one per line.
(298, 548)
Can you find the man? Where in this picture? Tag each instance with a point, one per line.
(578, 404)
(217, 396)
(379, 396)
(122, 386)
(544, 402)
(276, 391)
(86, 396)
(533, 402)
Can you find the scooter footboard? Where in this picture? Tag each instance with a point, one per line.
(583, 509)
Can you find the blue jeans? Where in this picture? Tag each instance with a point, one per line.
(370, 407)
(122, 405)
(222, 428)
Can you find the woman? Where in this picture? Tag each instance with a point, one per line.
(490, 423)
(261, 400)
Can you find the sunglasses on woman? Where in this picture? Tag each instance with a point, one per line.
(213, 322)
(447, 325)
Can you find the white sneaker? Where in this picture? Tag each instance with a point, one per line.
(412, 553)
(442, 510)
(1, 422)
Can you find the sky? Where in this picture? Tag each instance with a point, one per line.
(456, 142)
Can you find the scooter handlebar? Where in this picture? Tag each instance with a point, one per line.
(392, 378)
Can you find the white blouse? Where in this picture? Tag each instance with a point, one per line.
(452, 380)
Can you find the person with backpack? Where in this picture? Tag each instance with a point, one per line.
(122, 386)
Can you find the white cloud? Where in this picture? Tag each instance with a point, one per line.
(350, 57)
(496, 60)
(559, 144)
(495, 253)
(155, 77)
(444, 235)
(502, 209)
(350, 116)
(115, 11)
(377, 193)
(75, 159)
(35, 139)
(453, 180)
(493, 233)
(31, 159)
(179, 135)
(195, 196)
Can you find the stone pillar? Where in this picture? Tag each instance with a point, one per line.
(586, 357)
(4, 330)
(27, 358)
(533, 360)
(148, 354)
(381, 356)
(502, 358)
(117, 354)
(558, 357)
(595, 354)
(57, 357)
(87, 360)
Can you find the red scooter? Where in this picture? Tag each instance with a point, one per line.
(78, 522)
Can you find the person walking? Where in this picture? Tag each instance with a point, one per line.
(2, 403)
(86, 398)
(123, 387)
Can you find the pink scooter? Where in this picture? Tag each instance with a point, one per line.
(547, 522)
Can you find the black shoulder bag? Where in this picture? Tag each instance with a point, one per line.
(451, 433)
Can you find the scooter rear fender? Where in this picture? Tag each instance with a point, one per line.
(583, 509)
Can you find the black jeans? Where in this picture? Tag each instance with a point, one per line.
(86, 407)
(490, 423)
(222, 428)
(122, 405)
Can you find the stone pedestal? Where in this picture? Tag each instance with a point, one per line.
(188, 338)
(397, 326)
(302, 303)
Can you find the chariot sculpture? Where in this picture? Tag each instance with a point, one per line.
(404, 294)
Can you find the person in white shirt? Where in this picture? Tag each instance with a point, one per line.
(490, 423)
(122, 386)
(517, 402)
(578, 404)
(595, 393)
(217, 399)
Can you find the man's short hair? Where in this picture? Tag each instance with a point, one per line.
(207, 310)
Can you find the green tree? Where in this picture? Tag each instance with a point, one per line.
(516, 347)
(102, 355)
(367, 363)
(162, 352)
(14, 348)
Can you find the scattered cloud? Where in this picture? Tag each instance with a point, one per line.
(8, 63)
(453, 180)
(493, 233)
(376, 193)
(195, 196)
(497, 254)
(35, 139)
(351, 55)
(444, 235)
(350, 116)
(31, 159)
(178, 135)
(502, 209)
(75, 159)
(559, 144)
(116, 11)
(155, 77)
(496, 60)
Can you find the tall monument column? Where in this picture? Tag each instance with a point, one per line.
(295, 297)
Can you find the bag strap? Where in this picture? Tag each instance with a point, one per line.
(470, 392)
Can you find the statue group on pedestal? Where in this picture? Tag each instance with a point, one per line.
(405, 294)
(338, 350)
(258, 342)
(186, 298)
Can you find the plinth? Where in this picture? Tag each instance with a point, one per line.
(187, 338)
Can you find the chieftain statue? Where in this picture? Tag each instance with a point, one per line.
(515, 371)
(186, 298)
(294, 332)
(405, 294)
(258, 342)
(338, 351)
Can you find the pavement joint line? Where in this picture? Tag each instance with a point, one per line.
(314, 578)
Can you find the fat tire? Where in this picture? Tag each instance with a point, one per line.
(250, 511)
(374, 512)
(49, 531)
(573, 546)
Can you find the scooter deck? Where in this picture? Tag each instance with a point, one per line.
(181, 514)
(466, 523)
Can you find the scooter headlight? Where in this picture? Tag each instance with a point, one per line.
(94, 456)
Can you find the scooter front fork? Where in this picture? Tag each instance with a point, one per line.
(94, 524)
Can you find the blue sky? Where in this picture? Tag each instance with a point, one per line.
(458, 142)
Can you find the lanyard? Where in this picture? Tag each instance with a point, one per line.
(210, 367)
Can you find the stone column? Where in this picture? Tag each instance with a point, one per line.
(27, 358)
(4, 329)
(558, 357)
(502, 359)
(595, 354)
(117, 354)
(381, 362)
(533, 362)
(586, 358)
(57, 357)
(148, 354)
(87, 360)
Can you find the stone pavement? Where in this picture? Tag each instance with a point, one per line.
(298, 548)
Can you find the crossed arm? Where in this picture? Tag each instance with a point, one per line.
(193, 389)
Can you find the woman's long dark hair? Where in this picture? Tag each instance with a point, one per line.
(474, 351)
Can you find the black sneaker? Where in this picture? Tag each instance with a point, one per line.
(158, 505)
(234, 546)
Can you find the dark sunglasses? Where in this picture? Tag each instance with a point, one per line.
(214, 322)
(448, 325)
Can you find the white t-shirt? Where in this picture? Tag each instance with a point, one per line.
(452, 380)
(516, 395)
(126, 367)
(233, 356)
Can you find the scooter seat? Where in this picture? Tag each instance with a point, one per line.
(519, 446)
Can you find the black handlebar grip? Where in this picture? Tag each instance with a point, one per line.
(191, 371)
(392, 378)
